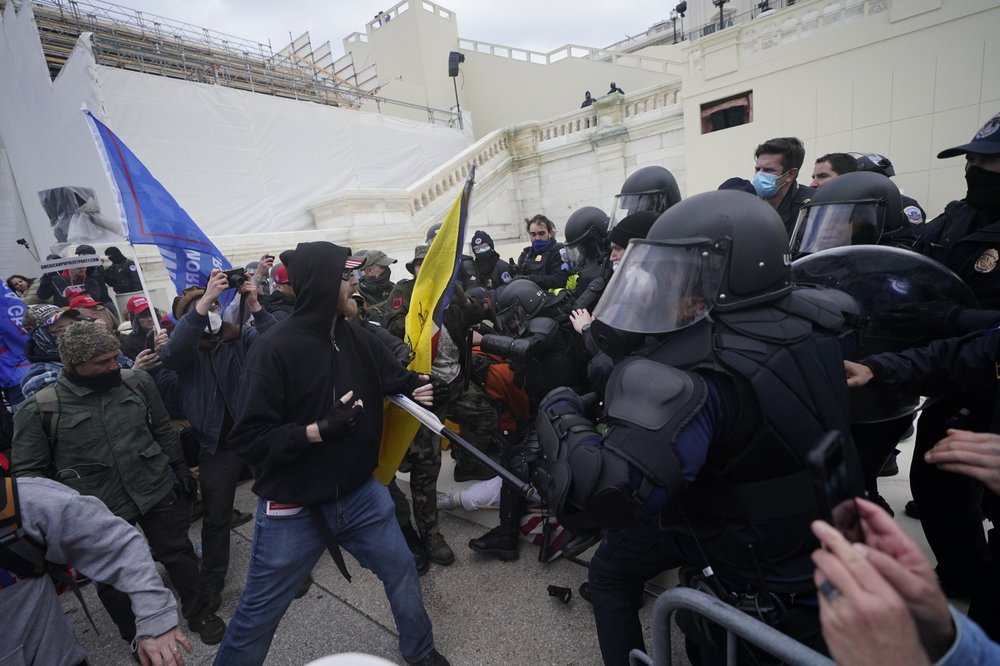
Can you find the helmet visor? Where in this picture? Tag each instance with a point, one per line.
(512, 321)
(824, 226)
(573, 253)
(627, 204)
(661, 287)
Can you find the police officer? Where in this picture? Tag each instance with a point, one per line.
(485, 268)
(707, 470)
(544, 262)
(856, 208)
(537, 348)
(650, 188)
(587, 249)
(966, 239)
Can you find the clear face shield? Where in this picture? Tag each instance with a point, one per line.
(573, 253)
(627, 204)
(663, 286)
(824, 226)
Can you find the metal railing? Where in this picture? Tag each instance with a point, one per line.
(736, 624)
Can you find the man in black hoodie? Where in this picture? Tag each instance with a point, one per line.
(310, 424)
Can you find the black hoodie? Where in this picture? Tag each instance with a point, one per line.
(293, 375)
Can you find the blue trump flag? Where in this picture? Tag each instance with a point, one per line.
(152, 217)
(12, 338)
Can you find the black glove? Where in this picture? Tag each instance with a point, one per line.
(339, 420)
(930, 319)
(440, 396)
(184, 481)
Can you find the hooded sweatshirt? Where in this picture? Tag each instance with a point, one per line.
(293, 375)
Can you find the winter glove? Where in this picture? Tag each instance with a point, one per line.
(440, 392)
(184, 481)
(339, 420)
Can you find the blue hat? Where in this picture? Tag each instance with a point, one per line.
(481, 238)
(986, 141)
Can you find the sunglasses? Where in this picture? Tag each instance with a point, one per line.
(348, 273)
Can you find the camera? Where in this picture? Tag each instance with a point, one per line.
(237, 277)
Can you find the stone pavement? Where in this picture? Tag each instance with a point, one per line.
(485, 612)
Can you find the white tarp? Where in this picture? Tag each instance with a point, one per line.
(237, 161)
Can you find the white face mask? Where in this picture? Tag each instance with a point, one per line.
(614, 265)
(214, 323)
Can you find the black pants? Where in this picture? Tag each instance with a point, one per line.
(166, 529)
(951, 513)
(874, 442)
(220, 471)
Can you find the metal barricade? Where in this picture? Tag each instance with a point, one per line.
(736, 624)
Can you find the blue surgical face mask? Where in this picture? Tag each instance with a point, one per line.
(765, 184)
(540, 245)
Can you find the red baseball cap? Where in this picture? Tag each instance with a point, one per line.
(137, 304)
(280, 275)
(83, 301)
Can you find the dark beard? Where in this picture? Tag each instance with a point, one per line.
(97, 383)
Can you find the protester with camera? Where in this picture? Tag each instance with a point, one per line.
(208, 355)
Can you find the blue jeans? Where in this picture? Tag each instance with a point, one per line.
(286, 548)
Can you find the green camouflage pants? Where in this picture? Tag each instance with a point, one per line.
(471, 409)
(423, 462)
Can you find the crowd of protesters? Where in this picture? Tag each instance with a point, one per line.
(659, 378)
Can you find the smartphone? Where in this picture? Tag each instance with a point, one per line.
(837, 485)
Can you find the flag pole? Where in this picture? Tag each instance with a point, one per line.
(145, 289)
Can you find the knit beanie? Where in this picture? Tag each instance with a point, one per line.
(636, 225)
(82, 341)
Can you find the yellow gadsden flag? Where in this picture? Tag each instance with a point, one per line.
(431, 295)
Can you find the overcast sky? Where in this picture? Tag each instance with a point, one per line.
(540, 25)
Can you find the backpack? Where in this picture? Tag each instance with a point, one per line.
(47, 400)
(21, 555)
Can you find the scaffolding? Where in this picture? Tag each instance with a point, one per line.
(129, 39)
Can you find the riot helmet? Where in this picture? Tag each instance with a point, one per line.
(586, 233)
(650, 188)
(517, 303)
(857, 208)
(717, 250)
(874, 162)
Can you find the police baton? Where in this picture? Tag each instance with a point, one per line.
(430, 419)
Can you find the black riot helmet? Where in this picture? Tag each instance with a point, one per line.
(874, 162)
(859, 208)
(586, 233)
(518, 302)
(650, 188)
(718, 250)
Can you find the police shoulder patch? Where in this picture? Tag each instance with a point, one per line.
(914, 214)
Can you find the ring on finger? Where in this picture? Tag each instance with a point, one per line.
(829, 591)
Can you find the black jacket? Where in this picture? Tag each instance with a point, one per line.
(968, 242)
(962, 368)
(548, 269)
(293, 375)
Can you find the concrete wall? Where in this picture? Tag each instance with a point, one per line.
(906, 78)
(498, 86)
